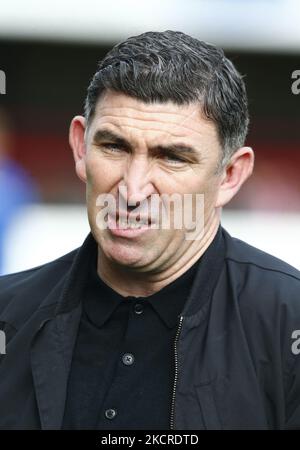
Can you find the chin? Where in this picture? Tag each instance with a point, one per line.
(125, 256)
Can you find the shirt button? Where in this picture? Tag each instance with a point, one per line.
(128, 359)
(138, 308)
(110, 413)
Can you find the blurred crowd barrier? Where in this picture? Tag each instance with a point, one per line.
(41, 233)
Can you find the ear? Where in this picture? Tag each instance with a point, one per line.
(234, 175)
(77, 143)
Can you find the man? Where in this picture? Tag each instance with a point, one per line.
(149, 326)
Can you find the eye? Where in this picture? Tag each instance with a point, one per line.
(173, 160)
(113, 147)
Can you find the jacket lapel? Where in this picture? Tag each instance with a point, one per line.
(53, 344)
(51, 356)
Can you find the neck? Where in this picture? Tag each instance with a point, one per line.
(131, 282)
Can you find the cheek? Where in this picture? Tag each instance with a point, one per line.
(205, 184)
(102, 175)
(184, 182)
(211, 194)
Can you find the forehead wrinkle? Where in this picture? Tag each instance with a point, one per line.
(190, 115)
(179, 125)
(139, 110)
(110, 99)
(143, 119)
(179, 135)
(166, 135)
(161, 123)
(169, 116)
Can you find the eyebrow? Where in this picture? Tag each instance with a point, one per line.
(178, 149)
(103, 135)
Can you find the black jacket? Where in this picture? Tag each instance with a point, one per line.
(236, 355)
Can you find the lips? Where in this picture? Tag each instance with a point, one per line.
(126, 231)
(125, 218)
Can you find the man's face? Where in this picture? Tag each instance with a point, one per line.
(159, 148)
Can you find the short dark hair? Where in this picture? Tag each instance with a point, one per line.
(172, 66)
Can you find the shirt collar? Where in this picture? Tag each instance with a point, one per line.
(100, 300)
(169, 301)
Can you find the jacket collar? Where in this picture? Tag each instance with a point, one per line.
(205, 277)
(77, 277)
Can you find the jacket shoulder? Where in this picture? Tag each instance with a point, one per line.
(262, 282)
(267, 289)
(32, 282)
(242, 253)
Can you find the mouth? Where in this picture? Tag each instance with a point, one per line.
(124, 220)
(127, 225)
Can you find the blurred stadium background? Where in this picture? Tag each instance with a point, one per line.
(49, 51)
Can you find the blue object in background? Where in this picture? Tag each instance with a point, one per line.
(16, 191)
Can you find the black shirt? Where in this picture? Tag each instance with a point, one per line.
(122, 370)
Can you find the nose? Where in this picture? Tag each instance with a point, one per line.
(136, 178)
